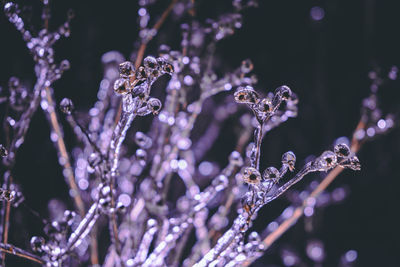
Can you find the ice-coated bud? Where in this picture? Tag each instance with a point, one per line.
(150, 63)
(126, 69)
(271, 173)
(66, 106)
(36, 243)
(167, 68)
(7, 195)
(251, 175)
(289, 159)
(105, 204)
(342, 150)
(3, 151)
(141, 73)
(263, 107)
(120, 86)
(326, 161)
(236, 159)
(64, 65)
(13, 83)
(154, 105)
(283, 92)
(69, 217)
(10, 8)
(246, 95)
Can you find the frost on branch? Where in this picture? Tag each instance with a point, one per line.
(152, 190)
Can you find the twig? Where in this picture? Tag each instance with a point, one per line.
(10, 249)
(63, 153)
(299, 211)
(156, 27)
(6, 218)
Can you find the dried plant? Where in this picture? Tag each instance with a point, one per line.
(128, 189)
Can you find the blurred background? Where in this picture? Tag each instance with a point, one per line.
(323, 50)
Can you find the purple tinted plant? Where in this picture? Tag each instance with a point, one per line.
(127, 189)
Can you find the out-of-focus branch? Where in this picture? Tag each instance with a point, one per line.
(64, 154)
(156, 27)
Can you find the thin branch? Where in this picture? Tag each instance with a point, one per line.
(10, 249)
(63, 153)
(299, 211)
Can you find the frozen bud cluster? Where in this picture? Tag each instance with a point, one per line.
(341, 156)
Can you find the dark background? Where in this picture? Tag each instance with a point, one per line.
(325, 62)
